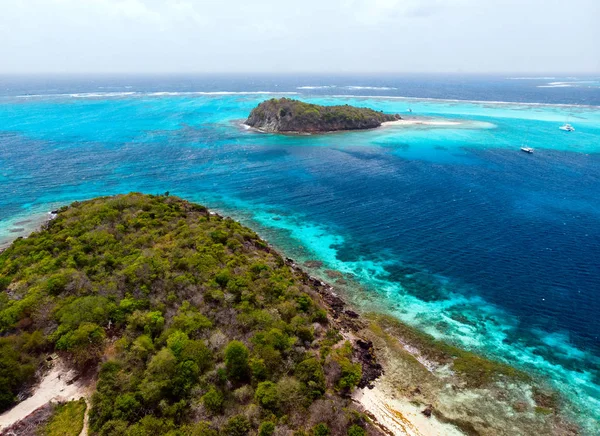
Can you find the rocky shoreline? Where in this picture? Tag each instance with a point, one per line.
(348, 321)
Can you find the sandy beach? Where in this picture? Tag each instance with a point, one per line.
(58, 385)
(423, 122)
(399, 416)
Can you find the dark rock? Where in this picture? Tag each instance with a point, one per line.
(352, 314)
(371, 369)
(332, 274)
(313, 264)
(427, 411)
(520, 407)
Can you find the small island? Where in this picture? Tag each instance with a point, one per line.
(286, 115)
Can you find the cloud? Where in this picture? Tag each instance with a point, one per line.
(312, 35)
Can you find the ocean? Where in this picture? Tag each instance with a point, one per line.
(451, 228)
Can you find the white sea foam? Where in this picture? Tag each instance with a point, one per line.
(530, 78)
(151, 94)
(317, 87)
(573, 83)
(417, 99)
(101, 94)
(372, 88)
(558, 85)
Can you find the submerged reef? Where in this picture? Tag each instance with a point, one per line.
(286, 115)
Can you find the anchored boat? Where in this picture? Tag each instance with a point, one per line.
(567, 128)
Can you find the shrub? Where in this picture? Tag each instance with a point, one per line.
(351, 374)
(267, 428)
(197, 352)
(321, 429)
(266, 395)
(150, 425)
(258, 369)
(56, 284)
(355, 430)
(237, 426)
(14, 371)
(223, 277)
(84, 343)
(213, 400)
(289, 391)
(304, 302)
(126, 407)
(310, 372)
(198, 429)
(177, 342)
(236, 361)
(190, 321)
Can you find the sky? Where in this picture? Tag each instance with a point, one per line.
(285, 36)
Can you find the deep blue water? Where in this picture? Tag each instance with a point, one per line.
(449, 227)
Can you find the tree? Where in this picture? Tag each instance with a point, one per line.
(321, 429)
(355, 430)
(351, 373)
(267, 428)
(236, 361)
(213, 400)
(310, 372)
(266, 395)
(237, 426)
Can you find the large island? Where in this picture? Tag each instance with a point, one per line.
(286, 115)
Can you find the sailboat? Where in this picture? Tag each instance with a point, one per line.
(526, 148)
(567, 128)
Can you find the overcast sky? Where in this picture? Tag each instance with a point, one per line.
(330, 36)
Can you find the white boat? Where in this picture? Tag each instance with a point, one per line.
(567, 128)
(527, 149)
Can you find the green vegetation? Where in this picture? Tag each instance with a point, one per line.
(321, 429)
(287, 115)
(67, 419)
(355, 430)
(195, 326)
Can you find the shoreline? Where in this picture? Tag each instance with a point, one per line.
(369, 396)
(22, 226)
(386, 124)
(383, 397)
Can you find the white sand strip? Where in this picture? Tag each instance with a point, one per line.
(53, 387)
(423, 122)
(400, 417)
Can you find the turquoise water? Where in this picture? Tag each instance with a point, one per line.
(449, 227)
